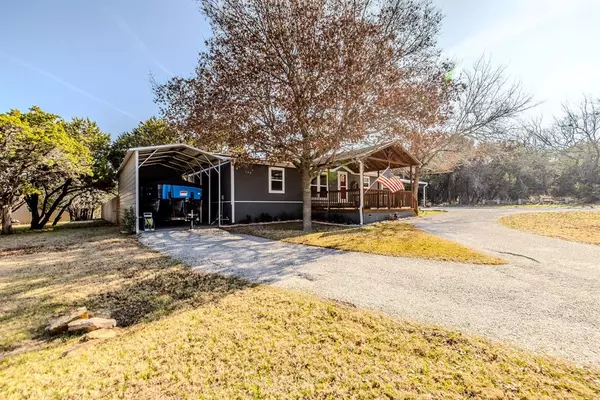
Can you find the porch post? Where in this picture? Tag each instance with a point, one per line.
(378, 192)
(362, 190)
(328, 192)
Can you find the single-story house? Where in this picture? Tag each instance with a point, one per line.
(233, 192)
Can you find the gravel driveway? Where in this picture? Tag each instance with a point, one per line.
(547, 299)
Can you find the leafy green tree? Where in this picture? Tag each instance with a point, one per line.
(153, 131)
(52, 182)
(88, 190)
(34, 146)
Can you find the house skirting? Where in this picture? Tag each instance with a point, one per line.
(353, 216)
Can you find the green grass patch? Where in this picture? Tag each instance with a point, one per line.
(578, 226)
(386, 238)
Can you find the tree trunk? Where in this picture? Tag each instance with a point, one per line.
(6, 220)
(57, 201)
(61, 212)
(306, 200)
(32, 202)
(39, 221)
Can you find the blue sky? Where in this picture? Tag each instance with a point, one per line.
(94, 58)
(84, 58)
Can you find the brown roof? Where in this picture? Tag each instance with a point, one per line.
(377, 157)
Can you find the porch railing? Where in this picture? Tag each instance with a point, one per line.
(374, 199)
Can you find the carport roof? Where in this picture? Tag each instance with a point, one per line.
(180, 157)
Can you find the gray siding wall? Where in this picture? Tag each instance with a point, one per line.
(252, 196)
(127, 188)
(252, 184)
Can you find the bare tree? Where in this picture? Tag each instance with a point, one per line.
(574, 135)
(480, 104)
(298, 80)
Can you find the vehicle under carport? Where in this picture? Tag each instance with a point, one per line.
(177, 174)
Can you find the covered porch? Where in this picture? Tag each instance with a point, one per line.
(348, 185)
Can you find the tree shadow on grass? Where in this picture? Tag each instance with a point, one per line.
(163, 293)
(98, 268)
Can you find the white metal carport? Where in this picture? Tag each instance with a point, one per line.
(186, 160)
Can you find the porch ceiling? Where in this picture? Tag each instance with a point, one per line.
(378, 157)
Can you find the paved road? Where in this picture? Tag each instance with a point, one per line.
(547, 299)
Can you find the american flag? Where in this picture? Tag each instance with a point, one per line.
(393, 183)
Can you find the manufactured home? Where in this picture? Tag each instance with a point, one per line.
(229, 192)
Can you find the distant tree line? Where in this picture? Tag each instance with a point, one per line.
(560, 159)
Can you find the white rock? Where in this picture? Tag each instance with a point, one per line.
(91, 324)
(61, 324)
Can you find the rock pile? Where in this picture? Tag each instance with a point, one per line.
(80, 320)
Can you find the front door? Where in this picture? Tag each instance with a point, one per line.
(343, 185)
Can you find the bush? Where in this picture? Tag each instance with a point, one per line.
(129, 220)
(264, 217)
(283, 217)
(246, 220)
(335, 218)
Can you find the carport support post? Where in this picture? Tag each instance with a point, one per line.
(232, 192)
(362, 190)
(209, 198)
(137, 192)
(219, 224)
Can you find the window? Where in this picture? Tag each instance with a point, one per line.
(366, 182)
(276, 180)
(318, 186)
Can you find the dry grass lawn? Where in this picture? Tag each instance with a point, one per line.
(42, 274)
(204, 336)
(387, 238)
(578, 226)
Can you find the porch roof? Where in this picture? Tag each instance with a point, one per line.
(377, 157)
